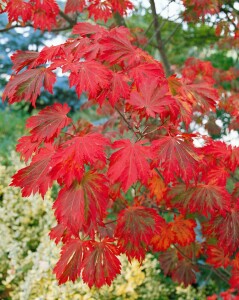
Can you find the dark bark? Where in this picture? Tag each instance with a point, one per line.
(160, 44)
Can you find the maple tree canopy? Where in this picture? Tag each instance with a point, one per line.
(137, 182)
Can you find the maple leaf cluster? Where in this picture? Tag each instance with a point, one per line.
(137, 183)
(45, 14)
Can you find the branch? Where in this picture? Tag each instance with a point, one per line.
(216, 271)
(71, 21)
(127, 122)
(159, 40)
(30, 25)
(9, 28)
(172, 33)
(139, 135)
(119, 20)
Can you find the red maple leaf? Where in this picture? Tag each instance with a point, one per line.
(135, 228)
(22, 59)
(152, 97)
(175, 156)
(164, 239)
(101, 10)
(217, 257)
(129, 164)
(74, 6)
(44, 14)
(101, 265)
(35, 178)
(69, 265)
(49, 122)
(82, 204)
(69, 159)
(226, 228)
(234, 280)
(121, 6)
(118, 89)
(60, 233)
(116, 48)
(183, 230)
(86, 28)
(185, 272)
(204, 198)
(19, 8)
(145, 71)
(27, 85)
(90, 77)
(168, 260)
(27, 147)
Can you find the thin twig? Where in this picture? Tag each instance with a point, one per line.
(71, 21)
(172, 33)
(127, 122)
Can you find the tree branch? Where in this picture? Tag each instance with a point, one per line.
(172, 33)
(159, 40)
(71, 21)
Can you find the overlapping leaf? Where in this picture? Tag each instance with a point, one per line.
(35, 178)
(69, 265)
(204, 198)
(129, 164)
(49, 122)
(27, 85)
(135, 228)
(101, 264)
(176, 157)
(152, 97)
(82, 204)
(68, 162)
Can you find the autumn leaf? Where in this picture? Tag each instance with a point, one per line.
(129, 164)
(144, 71)
(100, 10)
(226, 229)
(27, 85)
(101, 265)
(60, 233)
(185, 272)
(175, 156)
(135, 228)
(204, 198)
(69, 265)
(152, 97)
(234, 280)
(217, 257)
(44, 14)
(82, 204)
(164, 239)
(118, 89)
(90, 77)
(74, 6)
(86, 28)
(116, 48)
(49, 122)
(183, 230)
(27, 147)
(69, 159)
(156, 186)
(168, 260)
(35, 177)
(19, 8)
(22, 59)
